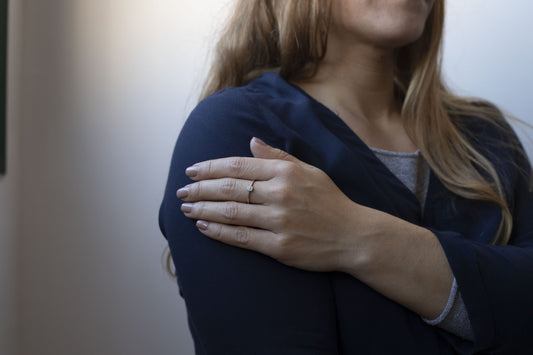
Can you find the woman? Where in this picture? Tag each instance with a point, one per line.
(379, 213)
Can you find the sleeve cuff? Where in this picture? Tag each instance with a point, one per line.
(447, 308)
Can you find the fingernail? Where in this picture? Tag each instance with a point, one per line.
(202, 225)
(183, 192)
(191, 171)
(186, 207)
(258, 141)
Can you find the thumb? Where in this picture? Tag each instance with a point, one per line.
(262, 150)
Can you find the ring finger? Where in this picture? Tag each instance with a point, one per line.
(233, 213)
(227, 189)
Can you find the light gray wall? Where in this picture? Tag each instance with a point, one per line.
(9, 188)
(488, 53)
(105, 87)
(99, 92)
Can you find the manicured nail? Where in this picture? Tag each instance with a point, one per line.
(202, 225)
(183, 192)
(191, 171)
(258, 141)
(186, 207)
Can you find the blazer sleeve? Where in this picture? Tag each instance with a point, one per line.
(496, 282)
(239, 301)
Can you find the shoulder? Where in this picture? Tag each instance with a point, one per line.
(483, 122)
(488, 130)
(268, 107)
(256, 104)
(227, 115)
(223, 123)
(492, 134)
(225, 106)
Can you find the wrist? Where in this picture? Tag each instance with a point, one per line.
(358, 254)
(378, 237)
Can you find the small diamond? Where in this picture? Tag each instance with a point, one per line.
(250, 188)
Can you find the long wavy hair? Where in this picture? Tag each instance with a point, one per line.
(290, 38)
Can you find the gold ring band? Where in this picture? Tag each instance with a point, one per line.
(250, 188)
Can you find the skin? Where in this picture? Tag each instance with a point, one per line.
(296, 214)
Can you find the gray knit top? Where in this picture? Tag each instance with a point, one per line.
(413, 171)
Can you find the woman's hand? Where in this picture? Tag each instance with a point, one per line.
(295, 214)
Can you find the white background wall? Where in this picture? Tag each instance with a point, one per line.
(98, 92)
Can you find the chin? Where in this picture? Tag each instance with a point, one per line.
(406, 27)
(399, 37)
(381, 23)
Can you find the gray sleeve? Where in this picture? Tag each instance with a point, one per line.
(454, 317)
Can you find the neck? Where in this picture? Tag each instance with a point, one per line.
(356, 82)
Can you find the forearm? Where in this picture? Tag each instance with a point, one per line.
(402, 261)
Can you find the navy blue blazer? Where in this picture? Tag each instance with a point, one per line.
(242, 302)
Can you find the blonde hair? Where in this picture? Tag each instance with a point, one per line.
(288, 37)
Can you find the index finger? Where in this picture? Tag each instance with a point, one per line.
(234, 167)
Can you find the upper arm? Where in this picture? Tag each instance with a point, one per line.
(239, 301)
